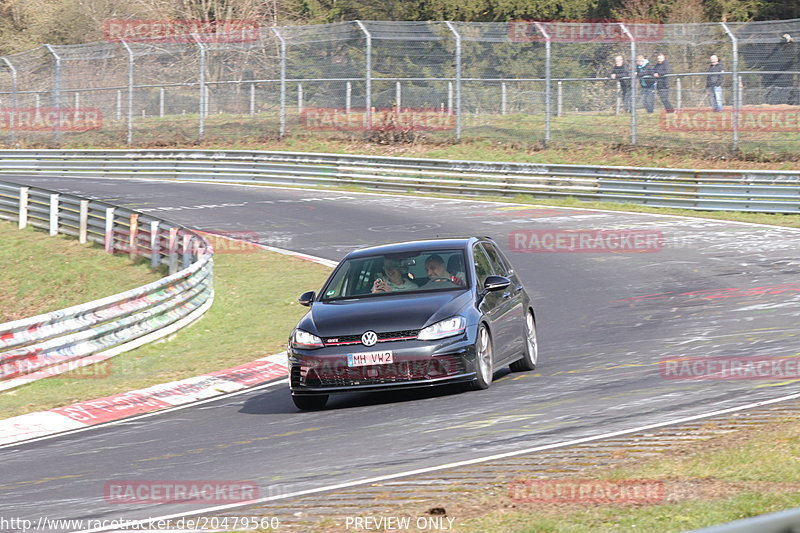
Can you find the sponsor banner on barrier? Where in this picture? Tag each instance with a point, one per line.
(188, 491)
(584, 31)
(703, 119)
(181, 31)
(50, 118)
(730, 368)
(637, 491)
(585, 241)
(407, 119)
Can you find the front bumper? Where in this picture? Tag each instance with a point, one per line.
(416, 364)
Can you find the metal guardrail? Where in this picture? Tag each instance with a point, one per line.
(780, 522)
(63, 340)
(738, 190)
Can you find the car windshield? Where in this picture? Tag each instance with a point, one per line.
(391, 274)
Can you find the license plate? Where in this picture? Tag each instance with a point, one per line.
(369, 358)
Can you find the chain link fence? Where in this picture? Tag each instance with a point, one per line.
(528, 82)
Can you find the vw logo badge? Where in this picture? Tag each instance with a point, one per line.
(369, 338)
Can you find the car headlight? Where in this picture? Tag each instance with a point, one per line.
(444, 328)
(305, 340)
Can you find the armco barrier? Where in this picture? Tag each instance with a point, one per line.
(740, 190)
(50, 343)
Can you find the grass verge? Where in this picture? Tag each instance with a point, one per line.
(41, 273)
(251, 317)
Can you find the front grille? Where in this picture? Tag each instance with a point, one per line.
(389, 336)
(401, 371)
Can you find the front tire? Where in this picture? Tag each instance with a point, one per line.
(531, 351)
(310, 403)
(484, 360)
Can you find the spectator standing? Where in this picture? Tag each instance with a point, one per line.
(714, 83)
(621, 73)
(660, 72)
(644, 73)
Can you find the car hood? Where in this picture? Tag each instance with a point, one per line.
(382, 313)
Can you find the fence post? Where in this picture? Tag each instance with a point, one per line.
(161, 96)
(397, 96)
(282, 112)
(109, 236)
(634, 91)
(155, 244)
(559, 98)
(23, 207)
(56, 91)
(299, 98)
(83, 222)
(201, 80)
(130, 90)
(348, 98)
(368, 73)
(252, 99)
(734, 85)
(449, 97)
(13, 98)
(678, 89)
(54, 214)
(458, 79)
(503, 99)
(547, 82)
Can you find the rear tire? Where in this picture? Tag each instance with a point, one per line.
(531, 351)
(484, 360)
(310, 403)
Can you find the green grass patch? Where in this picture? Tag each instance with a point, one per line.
(41, 273)
(252, 316)
(744, 474)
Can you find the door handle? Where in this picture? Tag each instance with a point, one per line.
(506, 295)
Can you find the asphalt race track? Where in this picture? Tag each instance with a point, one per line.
(600, 349)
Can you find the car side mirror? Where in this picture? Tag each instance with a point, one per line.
(496, 283)
(307, 298)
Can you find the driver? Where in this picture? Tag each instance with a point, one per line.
(437, 272)
(396, 278)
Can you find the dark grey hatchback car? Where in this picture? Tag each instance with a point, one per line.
(413, 314)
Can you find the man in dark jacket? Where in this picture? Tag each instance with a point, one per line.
(714, 83)
(621, 73)
(644, 73)
(660, 72)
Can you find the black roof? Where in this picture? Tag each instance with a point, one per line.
(410, 246)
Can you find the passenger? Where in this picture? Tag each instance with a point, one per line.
(438, 274)
(396, 278)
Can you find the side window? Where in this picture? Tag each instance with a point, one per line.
(483, 267)
(500, 267)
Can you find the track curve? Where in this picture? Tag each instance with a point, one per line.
(600, 349)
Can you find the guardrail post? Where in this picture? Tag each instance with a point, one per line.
(130, 90)
(172, 250)
(13, 133)
(83, 222)
(634, 83)
(23, 207)
(109, 235)
(187, 250)
(735, 85)
(547, 82)
(367, 74)
(458, 79)
(133, 236)
(282, 112)
(56, 90)
(201, 80)
(155, 244)
(54, 214)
